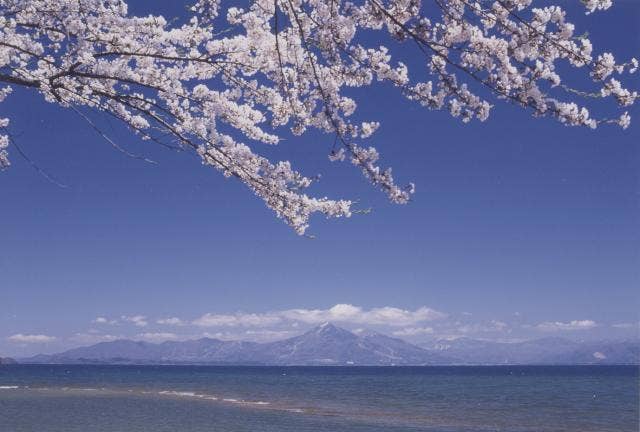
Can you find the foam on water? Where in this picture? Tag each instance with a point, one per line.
(164, 393)
(191, 394)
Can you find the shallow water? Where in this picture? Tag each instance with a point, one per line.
(43, 398)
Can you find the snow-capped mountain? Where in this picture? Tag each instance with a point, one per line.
(323, 345)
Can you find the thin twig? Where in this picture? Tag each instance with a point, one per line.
(34, 165)
(109, 140)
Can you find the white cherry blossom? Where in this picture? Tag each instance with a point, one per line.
(224, 82)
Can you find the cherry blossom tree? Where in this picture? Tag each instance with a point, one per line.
(223, 82)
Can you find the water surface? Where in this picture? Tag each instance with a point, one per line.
(58, 398)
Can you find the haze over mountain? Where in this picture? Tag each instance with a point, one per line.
(550, 350)
(331, 345)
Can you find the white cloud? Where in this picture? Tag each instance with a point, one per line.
(171, 321)
(346, 313)
(498, 325)
(237, 320)
(138, 320)
(253, 335)
(413, 331)
(625, 325)
(599, 355)
(103, 320)
(91, 337)
(340, 313)
(550, 326)
(487, 327)
(219, 335)
(157, 337)
(29, 338)
(267, 335)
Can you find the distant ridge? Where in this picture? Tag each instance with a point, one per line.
(335, 346)
(323, 345)
(551, 350)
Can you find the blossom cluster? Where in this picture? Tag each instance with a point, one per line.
(223, 82)
(4, 137)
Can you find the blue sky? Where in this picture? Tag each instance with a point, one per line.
(519, 228)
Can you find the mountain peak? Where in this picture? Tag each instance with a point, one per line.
(327, 328)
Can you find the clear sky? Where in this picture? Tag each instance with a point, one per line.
(519, 228)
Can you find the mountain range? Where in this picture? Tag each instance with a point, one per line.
(551, 350)
(331, 345)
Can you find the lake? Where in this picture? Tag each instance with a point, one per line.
(57, 398)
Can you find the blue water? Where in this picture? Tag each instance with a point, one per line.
(42, 398)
